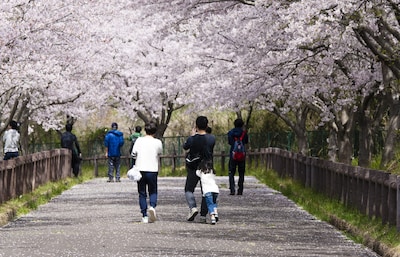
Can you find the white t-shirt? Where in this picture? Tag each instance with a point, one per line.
(147, 150)
(11, 139)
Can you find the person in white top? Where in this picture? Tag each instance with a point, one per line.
(11, 141)
(147, 150)
(209, 188)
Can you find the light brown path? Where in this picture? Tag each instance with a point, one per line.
(102, 219)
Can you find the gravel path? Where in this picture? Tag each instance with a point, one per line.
(103, 219)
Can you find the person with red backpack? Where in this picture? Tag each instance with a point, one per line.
(237, 139)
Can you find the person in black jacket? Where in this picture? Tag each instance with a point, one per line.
(200, 146)
(235, 134)
(69, 141)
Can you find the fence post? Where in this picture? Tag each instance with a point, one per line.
(96, 168)
(223, 160)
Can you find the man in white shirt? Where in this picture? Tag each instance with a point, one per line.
(147, 150)
(11, 141)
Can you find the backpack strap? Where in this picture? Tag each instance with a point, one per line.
(242, 136)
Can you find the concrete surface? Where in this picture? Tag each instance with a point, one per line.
(103, 219)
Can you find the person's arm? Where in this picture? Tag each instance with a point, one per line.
(188, 143)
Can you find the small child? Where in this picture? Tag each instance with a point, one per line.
(209, 188)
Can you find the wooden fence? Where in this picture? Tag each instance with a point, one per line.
(24, 174)
(373, 192)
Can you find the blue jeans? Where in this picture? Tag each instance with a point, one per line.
(147, 183)
(211, 200)
(241, 166)
(114, 162)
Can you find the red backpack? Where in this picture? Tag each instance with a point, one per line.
(239, 152)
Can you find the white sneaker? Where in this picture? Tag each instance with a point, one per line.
(213, 220)
(192, 214)
(145, 219)
(152, 214)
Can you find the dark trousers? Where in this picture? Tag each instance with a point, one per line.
(10, 155)
(148, 183)
(76, 161)
(240, 166)
(191, 182)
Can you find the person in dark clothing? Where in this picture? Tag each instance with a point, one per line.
(233, 135)
(196, 143)
(69, 141)
(133, 138)
(113, 141)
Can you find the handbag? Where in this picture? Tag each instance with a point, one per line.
(134, 174)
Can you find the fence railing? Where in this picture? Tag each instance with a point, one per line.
(24, 174)
(373, 192)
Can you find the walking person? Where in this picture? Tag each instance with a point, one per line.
(11, 141)
(235, 134)
(147, 150)
(69, 141)
(133, 138)
(209, 188)
(113, 141)
(200, 146)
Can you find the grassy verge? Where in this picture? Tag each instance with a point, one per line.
(28, 202)
(360, 228)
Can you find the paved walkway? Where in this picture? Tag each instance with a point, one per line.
(102, 219)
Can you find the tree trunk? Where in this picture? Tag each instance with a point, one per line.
(390, 140)
(365, 141)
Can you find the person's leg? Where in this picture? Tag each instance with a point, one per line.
(152, 184)
(75, 165)
(215, 198)
(191, 182)
(203, 206)
(142, 194)
(110, 169)
(232, 171)
(118, 169)
(241, 170)
(210, 202)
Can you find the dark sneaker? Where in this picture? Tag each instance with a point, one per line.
(192, 214)
(110, 180)
(202, 219)
(118, 180)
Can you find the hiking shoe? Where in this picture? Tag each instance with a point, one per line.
(192, 214)
(145, 219)
(202, 219)
(118, 180)
(213, 220)
(110, 180)
(152, 214)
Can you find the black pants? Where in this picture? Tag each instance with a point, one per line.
(76, 161)
(191, 182)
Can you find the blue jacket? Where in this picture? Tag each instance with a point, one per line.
(114, 140)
